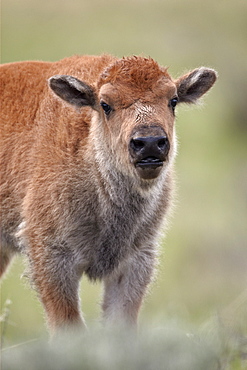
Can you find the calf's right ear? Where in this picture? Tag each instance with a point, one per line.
(73, 91)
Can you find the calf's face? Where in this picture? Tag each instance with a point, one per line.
(140, 125)
(135, 118)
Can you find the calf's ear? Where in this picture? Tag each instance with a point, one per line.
(194, 84)
(73, 91)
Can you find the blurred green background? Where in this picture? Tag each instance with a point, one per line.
(203, 264)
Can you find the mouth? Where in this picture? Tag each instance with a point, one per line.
(149, 163)
(149, 168)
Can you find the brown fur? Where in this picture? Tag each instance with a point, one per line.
(73, 198)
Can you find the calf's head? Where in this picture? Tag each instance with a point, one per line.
(134, 104)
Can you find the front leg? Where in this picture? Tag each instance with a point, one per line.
(125, 288)
(55, 278)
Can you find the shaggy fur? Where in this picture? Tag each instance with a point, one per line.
(74, 198)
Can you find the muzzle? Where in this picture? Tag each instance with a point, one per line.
(149, 148)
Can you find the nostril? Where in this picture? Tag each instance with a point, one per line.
(137, 144)
(162, 143)
(150, 145)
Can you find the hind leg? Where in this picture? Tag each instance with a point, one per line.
(5, 259)
(6, 255)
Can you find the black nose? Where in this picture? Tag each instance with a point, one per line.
(150, 146)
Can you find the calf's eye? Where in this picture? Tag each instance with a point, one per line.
(173, 102)
(107, 109)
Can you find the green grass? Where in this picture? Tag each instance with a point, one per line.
(169, 346)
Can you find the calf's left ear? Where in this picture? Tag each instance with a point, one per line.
(196, 83)
(73, 91)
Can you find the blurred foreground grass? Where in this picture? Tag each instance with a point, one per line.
(167, 347)
(202, 276)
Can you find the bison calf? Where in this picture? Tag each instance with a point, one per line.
(86, 175)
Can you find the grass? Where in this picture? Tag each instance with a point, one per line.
(220, 343)
(169, 346)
